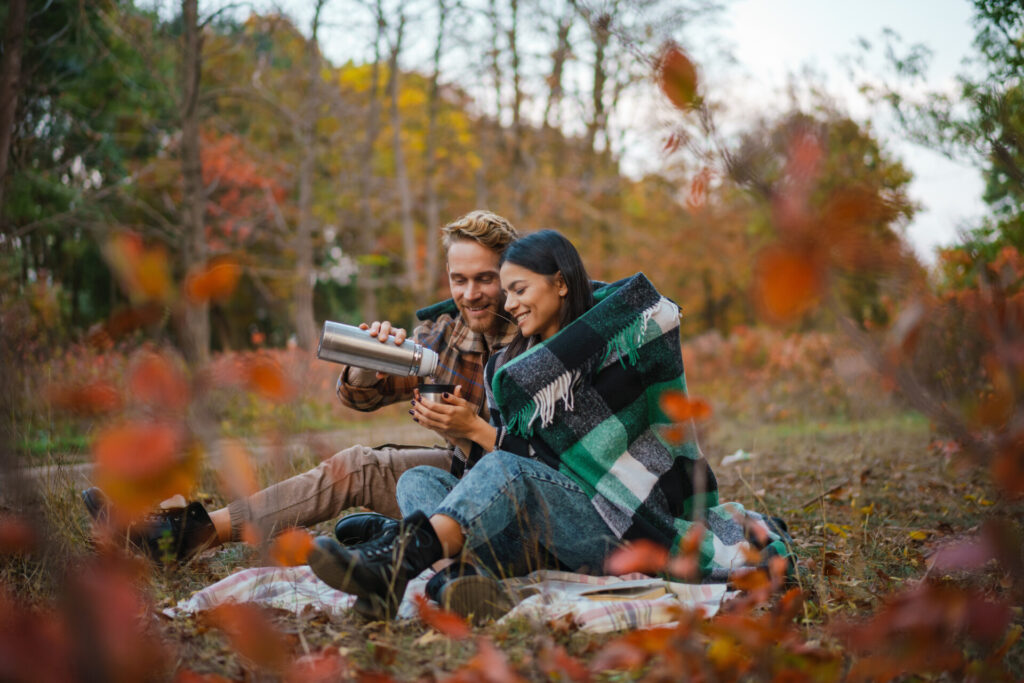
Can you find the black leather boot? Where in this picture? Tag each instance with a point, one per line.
(166, 536)
(361, 527)
(377, 571)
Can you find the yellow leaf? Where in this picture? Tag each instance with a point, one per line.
(919, 535)
(836, 529)
(867, 509)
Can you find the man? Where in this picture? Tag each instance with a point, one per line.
(464, 331)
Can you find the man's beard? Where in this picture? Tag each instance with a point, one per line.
(483, 322)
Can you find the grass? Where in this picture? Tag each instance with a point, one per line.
(866, 501)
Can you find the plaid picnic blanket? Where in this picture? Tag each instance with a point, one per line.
(583, 601)
(587, 402)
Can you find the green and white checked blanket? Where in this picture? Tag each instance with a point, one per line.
(586, 402)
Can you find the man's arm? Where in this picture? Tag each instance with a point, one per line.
(368, 390)
(363, 390)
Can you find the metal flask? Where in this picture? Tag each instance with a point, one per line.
(340, 343)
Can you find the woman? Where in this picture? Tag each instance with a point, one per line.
(576, 461)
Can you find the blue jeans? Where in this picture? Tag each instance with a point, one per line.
(517, 514)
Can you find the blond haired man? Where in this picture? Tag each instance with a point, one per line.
(464, 331)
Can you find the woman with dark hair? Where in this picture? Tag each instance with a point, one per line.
(577, 463)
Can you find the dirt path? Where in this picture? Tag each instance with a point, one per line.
(68, 470)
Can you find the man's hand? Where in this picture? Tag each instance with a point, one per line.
(454, 418)
(382, 329)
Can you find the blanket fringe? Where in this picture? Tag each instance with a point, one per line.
(627, 342)
(543, 403)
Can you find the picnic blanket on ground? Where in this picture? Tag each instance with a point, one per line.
(597, 604)
(587, 402)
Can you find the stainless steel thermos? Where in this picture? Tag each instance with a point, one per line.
(340, 343)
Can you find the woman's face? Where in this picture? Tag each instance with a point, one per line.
(533, 300)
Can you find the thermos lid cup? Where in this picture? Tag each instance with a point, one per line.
(431, 393)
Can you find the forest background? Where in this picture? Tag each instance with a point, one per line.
(188, 191)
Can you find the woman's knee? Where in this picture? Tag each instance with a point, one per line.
(498, 465)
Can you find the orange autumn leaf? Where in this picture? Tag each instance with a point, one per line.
(251, 535)
(675, 433)
(139, 464)
(751, 580)
(236, 472)
(94, 398)
(251, 634)
(291, 548)
(143, 271)
(215, 281)
(155, 380)
(677, 77)
(444, 622)
(680, 408)
(265, 377)
(642, 556)
(788, 282)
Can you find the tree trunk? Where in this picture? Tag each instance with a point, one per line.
(600, 34)
(368, 229)
(10, 85)
(197, 316)
(518, 152)
(413, 273)
(433, 208)
(305, 324)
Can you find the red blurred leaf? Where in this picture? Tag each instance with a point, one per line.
(124, 321)
(1008, 471)
(251, 633)
(139, 464)
(155, 380)
(557, 664)
(291, 548)
(215, 281)
(107, 597)
(326, 666)
(966, 554)
(788, 282)
(680, 408)
(677, 77)
(492, 664)
(16, 535)
(641, 555)
(189, 676)
(698, 193)
(94, 398)
(444, 622)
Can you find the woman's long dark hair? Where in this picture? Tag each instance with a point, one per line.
(548, 252)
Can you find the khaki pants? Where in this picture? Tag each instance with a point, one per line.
(356, 476)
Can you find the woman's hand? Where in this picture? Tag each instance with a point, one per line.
(454, 418)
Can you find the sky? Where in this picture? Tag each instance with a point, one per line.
(771, 39)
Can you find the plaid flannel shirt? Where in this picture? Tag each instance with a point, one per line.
(462, 355)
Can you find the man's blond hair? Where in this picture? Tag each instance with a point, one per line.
(484, 227)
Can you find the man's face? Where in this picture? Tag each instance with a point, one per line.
(476, 288)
